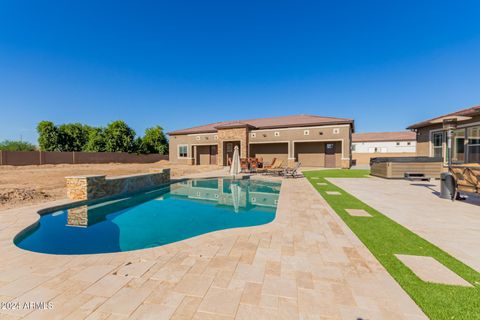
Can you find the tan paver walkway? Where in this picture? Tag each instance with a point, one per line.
(305, 265)
(452, 226)
(430, 270)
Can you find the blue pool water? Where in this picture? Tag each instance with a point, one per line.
(180, 211)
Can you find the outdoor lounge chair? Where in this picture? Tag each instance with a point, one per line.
(267, 167)
(276, 168)
(292, 172)
(467, 178)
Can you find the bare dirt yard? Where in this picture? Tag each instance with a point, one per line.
(27, 185)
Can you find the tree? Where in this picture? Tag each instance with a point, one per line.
(47, 136)
(154, 141)
(72, 136)
(96, 140)
(12, 145)
(119, 137)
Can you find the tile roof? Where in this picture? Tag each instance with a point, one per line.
(301, 120)
(464, 112)
(383, 136)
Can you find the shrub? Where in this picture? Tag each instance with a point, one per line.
(12, 145)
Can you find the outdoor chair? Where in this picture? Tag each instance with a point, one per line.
(254, 165)
(467, 178)
(276, 168)
(244, 164)
(292, 172)
(265, 168)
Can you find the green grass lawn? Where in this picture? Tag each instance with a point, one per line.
(384, 238)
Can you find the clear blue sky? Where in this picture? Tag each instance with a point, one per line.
(178, 63)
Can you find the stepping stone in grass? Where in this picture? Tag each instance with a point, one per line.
(334, 193)
(358, 213)
(321, 184)
(430, 270)
(315, 178)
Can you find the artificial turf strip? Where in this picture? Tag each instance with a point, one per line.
(384, 238)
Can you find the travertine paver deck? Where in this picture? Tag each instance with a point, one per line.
(430, 270)
(358, 213)
(452, 226)
(305, 265)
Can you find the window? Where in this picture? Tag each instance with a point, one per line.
(437, 144)
(409, 143)
(253, 134)
(458, 145)
(306, 132)
(473, 140)
(336, 131)
(398, 143)
(182, 151)
(276, 134)
(198, 138)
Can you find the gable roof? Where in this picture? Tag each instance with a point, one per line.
(473, 111)
(301, 120)
(384, 136)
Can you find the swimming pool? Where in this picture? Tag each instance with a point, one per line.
(176, 212)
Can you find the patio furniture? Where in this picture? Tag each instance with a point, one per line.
(264, 167)
(244, 164)
(254, 165)
(292, 172)
(276, 168)
(260, 162)
(467, 178)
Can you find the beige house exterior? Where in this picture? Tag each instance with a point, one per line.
(314, 141)
(432, 142)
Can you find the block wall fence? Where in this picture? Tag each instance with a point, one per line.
(26, 158)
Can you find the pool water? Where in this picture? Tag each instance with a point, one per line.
(179, 211)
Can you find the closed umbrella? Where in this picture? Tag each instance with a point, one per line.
(235, 168)
(236, 196)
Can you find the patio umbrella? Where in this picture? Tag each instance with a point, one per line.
(235, 168)
(236, 194)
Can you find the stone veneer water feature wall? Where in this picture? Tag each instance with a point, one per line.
(98, 186)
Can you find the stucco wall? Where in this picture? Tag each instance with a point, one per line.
(268, 151)
(364, 158)
(423, 135)
(319, 134)
(384, 146)
(340, 134)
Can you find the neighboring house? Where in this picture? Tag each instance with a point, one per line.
(312, 140)
(432, 139)
(382, 144)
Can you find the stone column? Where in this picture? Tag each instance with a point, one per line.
(84, 187)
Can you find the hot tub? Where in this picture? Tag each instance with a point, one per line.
(396, 167)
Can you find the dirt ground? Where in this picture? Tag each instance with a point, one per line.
(27, 185)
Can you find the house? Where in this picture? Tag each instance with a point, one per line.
(432, 138)
(312, 140)
(382, 144)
